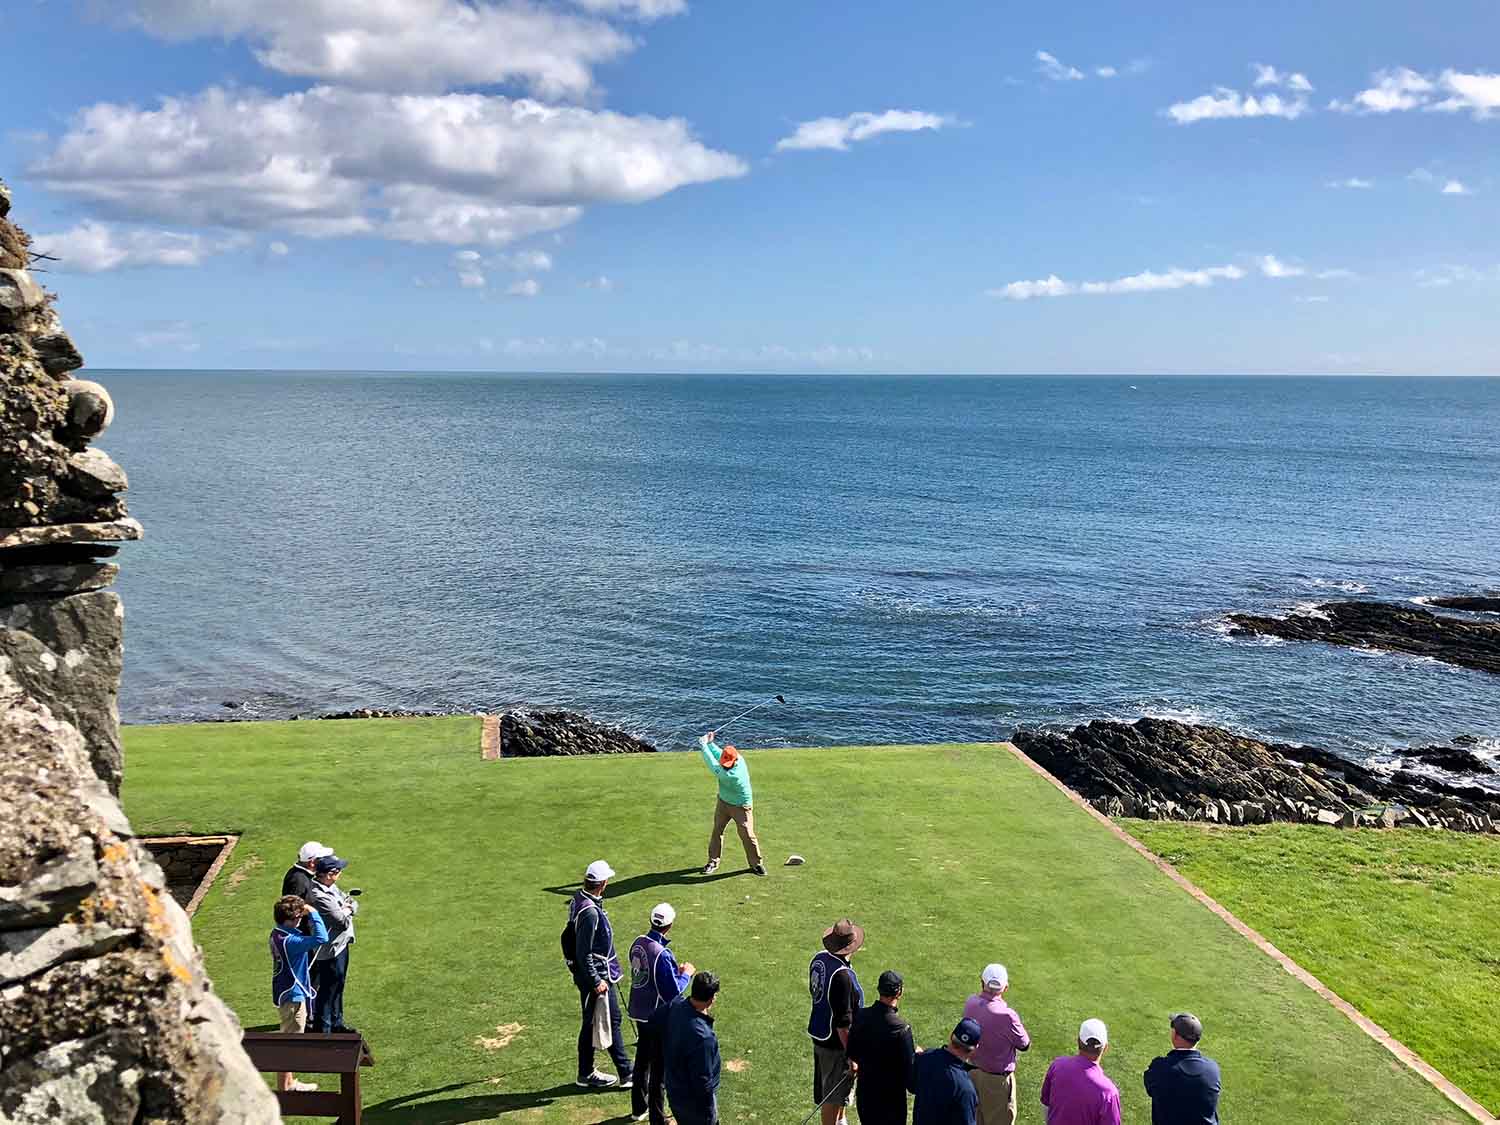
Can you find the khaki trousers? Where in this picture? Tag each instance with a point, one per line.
(744, 820)
(997, 1097)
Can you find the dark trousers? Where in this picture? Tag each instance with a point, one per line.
(650, 1061)
(328, 978)
(695, 1112)
(879, 1106)
(587, 998)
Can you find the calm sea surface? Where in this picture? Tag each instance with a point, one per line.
(907, 559)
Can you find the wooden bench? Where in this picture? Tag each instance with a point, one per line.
(307, 1053)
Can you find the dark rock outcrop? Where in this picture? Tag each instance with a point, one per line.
(1480, 603)
(1454, 759)
(1397, 628)
(538, 734)
(1164, 770)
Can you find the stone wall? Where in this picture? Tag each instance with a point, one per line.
(106, 1015)
(186, 862)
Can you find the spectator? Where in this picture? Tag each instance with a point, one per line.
(995, 1061)
(836, 996)
(1184, 1085)
(692, 1054)
(881, 1051)
(330, 967)
(940, 1080)
(655, 981)
(298, 879)
(596, 972)
(729, 766)
(291, 987)
(1076, 1090)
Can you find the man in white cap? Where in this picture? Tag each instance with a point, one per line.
(994, 1060)
(300, 877)
(596, 972)
(655, 981)
(1076, 1090)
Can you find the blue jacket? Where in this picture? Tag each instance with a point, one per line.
(691, 1054)
(655, 979)
(1184, 1089)
(594, 958)
(290, 952)
(944, 1091)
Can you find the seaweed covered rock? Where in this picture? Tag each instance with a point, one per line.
(537, 734)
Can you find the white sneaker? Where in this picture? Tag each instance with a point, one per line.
(598, 1080)
(640, 1116)
(710, 867)
(302, 1087)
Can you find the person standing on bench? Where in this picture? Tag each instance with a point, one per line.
(596, 972)
(655, 981)
(291, 988)
(331, 964)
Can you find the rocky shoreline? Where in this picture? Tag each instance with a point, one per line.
(1381, 625)
(1160, 769)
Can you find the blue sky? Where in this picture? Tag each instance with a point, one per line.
(641, 185)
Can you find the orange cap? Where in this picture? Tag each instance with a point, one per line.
(729, 757)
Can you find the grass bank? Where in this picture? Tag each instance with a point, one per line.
(1401, 924)
(951, 856)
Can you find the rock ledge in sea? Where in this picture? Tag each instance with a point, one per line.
(1165, 770)
(540, 734)
(1397, 628)
(1480, 603)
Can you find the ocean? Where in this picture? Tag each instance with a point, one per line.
(906, 559)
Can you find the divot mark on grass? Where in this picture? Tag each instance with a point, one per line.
(502, 1038)
(242, 872)
(736, 1066)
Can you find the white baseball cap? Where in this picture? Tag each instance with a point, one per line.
(1093, 1031)
(599, 872)
(995, 976)
(662, 914)
(311, 851)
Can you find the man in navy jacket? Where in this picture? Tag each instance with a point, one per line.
(1184, 1085)
(692, 1053)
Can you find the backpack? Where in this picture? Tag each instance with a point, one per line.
(569, 939)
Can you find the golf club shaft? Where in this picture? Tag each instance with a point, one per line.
(835, 1092)
(720, 726)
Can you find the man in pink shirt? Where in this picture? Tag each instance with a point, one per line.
(1076, 1090)
(994, 1060)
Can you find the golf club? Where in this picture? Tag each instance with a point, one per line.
(774, 699)
(837, 1091)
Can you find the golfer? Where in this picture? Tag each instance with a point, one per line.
(728, 765)
(836, 996)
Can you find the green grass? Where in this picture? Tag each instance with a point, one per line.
(1401, 924)
(951, 856)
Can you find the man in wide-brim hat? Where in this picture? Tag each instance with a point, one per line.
(836, 996)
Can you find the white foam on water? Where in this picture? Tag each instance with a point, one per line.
(904, 605)
(1308, 609)
(1344, 585)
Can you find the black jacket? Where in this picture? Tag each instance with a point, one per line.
(299, 881)
(1184, 1089)
(880, 1043)
(691, 1051)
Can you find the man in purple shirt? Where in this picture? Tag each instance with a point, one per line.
(1076, 1090)
(994, 1061)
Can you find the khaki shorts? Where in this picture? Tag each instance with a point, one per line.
(293, 1015)
(830, 1068)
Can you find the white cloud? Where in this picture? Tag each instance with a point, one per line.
(601, 283)
(426, 45)
(529, 287)
(453, 168)
(837, 132)
(1456, 187)
(1105, 71)
(1266, 75)
(1272, 266)
(1421, 176)
(470, 269)
(1225, 103)
(1048, 66)
(94, 247)
(1145, 282)
(1335, 275)
(1353, 182)
(1439, 277)
(278, 249)
(524, 261)
(1453, 91)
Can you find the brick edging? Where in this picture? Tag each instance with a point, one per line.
(489, 738)
(1404, 1053)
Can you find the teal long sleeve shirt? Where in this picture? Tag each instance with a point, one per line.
(734, 784)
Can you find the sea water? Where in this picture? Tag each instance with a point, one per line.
(905, 559)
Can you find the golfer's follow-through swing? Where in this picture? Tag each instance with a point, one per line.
(734, 801)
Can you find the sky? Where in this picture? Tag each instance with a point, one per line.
(777, 185)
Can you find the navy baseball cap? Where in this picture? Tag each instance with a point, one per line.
(890, 983)
(967, 1032)
(329, 863)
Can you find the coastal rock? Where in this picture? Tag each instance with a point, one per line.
(536, 734)
(367, 713)
(90, 411)
(1397, 628)
(1480, 603)
(1454, 759)
(54, 348)
(95, 474)
(1165, 770)
(83, 1080)
(18, 582)
(19, 295)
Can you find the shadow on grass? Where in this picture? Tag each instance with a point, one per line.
(477, 1107)
(683, 876)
